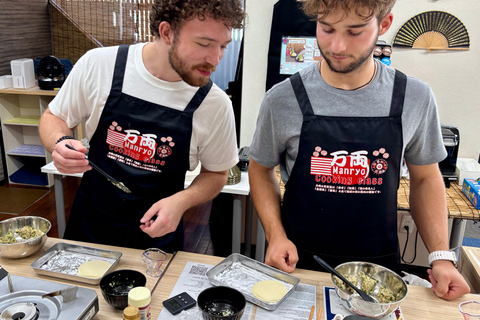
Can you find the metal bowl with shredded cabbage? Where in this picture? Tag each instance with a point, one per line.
(23, 236)
(384, 285)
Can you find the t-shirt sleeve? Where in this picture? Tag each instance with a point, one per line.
(426, 146)
(218, 151)
(83, 89)
(266, 144)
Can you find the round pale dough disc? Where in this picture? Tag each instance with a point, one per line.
(269, 290)
(93, 269)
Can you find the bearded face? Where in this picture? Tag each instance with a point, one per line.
(195, 74)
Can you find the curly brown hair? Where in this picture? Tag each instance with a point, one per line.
(177, 12)
(319, 9)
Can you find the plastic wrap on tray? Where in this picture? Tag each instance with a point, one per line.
(63, 260)
(242, 273)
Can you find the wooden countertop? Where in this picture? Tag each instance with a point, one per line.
(457, 203)
(36, 91)
(421, 303)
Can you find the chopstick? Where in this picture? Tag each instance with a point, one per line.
(114, 181)
(311, 313)
(319, 313)
(163, 273)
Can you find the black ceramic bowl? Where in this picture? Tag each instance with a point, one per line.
(221, 303)
(116, 285)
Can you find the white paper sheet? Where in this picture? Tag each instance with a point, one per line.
(194, 280)
(296, 307)
(333, 305)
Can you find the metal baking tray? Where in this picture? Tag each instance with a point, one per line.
(241, 273)
(78, 254)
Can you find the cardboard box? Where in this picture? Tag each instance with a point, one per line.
(467, 168)
(471, 188)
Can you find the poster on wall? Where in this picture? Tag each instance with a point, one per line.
(298, 53)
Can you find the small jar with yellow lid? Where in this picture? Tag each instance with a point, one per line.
(131, 313)
(140, 297)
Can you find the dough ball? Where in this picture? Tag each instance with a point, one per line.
(93, 269)
(269, 290)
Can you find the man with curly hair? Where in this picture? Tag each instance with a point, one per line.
(339, 130)
(151, 113)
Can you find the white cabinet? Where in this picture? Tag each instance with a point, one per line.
(20, 111)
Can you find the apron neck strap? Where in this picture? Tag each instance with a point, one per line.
(120, 64)
(398, 96)
(301, 95)
(198, 98)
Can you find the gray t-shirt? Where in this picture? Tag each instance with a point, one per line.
(280, 119)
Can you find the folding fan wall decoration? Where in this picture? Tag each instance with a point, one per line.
(433, 30)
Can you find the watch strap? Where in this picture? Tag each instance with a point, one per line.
(442, 255)
(65, 138)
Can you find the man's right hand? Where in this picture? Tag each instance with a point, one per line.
(70, 161)
(282, 254)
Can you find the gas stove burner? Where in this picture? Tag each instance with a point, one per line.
(20, 311)
(26, 303)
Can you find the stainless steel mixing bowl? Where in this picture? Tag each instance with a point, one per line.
(28, 247)
(384, 276)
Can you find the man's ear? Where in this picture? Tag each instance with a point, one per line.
(386, 23)
(166, 32)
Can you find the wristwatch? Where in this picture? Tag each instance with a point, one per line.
(442, 255)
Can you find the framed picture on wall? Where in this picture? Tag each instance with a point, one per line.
(297, 53)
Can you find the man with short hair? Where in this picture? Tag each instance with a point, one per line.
(339, 130)
(152, 113)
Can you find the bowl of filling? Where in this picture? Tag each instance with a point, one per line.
(23, 236)
(116, 285)
(386, 287)
(221, 303)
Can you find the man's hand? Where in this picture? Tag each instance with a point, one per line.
(169, 212)
(282, 254)
(70, 161)
(447, 282)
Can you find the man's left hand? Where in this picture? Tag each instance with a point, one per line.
(447, 282)
(169, 212)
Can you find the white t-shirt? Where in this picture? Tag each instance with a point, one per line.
(85, 92)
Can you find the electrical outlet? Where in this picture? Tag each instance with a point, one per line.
(407, 220)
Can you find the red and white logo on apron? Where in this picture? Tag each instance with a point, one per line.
(142, 148)
(342, 167)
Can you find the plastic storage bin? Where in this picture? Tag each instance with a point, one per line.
(467, 168)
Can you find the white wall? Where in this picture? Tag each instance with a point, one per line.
(453, 75)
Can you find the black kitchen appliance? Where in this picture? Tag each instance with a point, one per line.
(50, 73)
(451, 140)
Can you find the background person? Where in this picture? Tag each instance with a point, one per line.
(151, 114)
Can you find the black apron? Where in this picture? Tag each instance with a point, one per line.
(144, 145)
(340, 201)
(288, 20)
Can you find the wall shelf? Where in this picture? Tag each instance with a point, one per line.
(20, 112)
(24, 121)
(28, 150)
